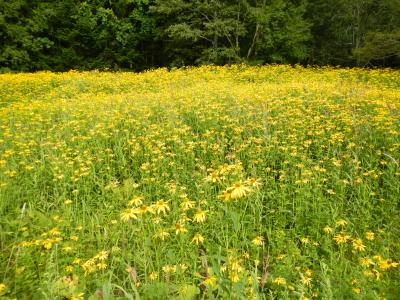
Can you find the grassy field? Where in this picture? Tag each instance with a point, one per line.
(204, 183)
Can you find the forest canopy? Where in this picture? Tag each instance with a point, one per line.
(142, 34)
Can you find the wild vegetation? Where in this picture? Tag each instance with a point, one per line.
(200, 183)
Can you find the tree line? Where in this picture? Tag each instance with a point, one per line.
(139, 34)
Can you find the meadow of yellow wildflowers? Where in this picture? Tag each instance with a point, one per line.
(200, 183)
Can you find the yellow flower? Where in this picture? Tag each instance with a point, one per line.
(2, 287)
(377, 274)
(279, 281)
(180, 228)
(253, 182)
(358, 245)
(184, 218)
(161, 234)
(69, 269)
(226, 196)
(306, 280)
(210, 280)
(368, 273)
(238, 190)
(394, 264)
(213, 177)
(304, 240)
(281, 256)
(102, 266)
(199, 216)
(385, 264)
(103, 255)
(128, 214)
(77, 296)
(234, 277)
(370, 236)
(328, 230)
(48, 244)
(115, 249)
(356, 290)
(67, 248)
(136, 201)
(378, 257)
(166, 269)
(330, 191)
(146, 209)
(153, 275)
(198, 239)
(258, 241)
(157, 220)
(162, 206)
(187, 204)
(183, 267)
(341, 238)
(341, 223)
(308, 272)
(89, 266)
(366, 261)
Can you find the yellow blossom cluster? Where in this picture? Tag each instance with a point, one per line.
(210, 182)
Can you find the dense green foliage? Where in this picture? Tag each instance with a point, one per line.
(141, 34)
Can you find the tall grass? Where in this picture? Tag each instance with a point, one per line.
(200, 183)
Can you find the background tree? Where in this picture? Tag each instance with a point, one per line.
(201, 31)
(380, 48)
(23, 38)
(281, 33)
(141, 34)
(338, 32)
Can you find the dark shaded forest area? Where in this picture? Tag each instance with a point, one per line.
(142, 34)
